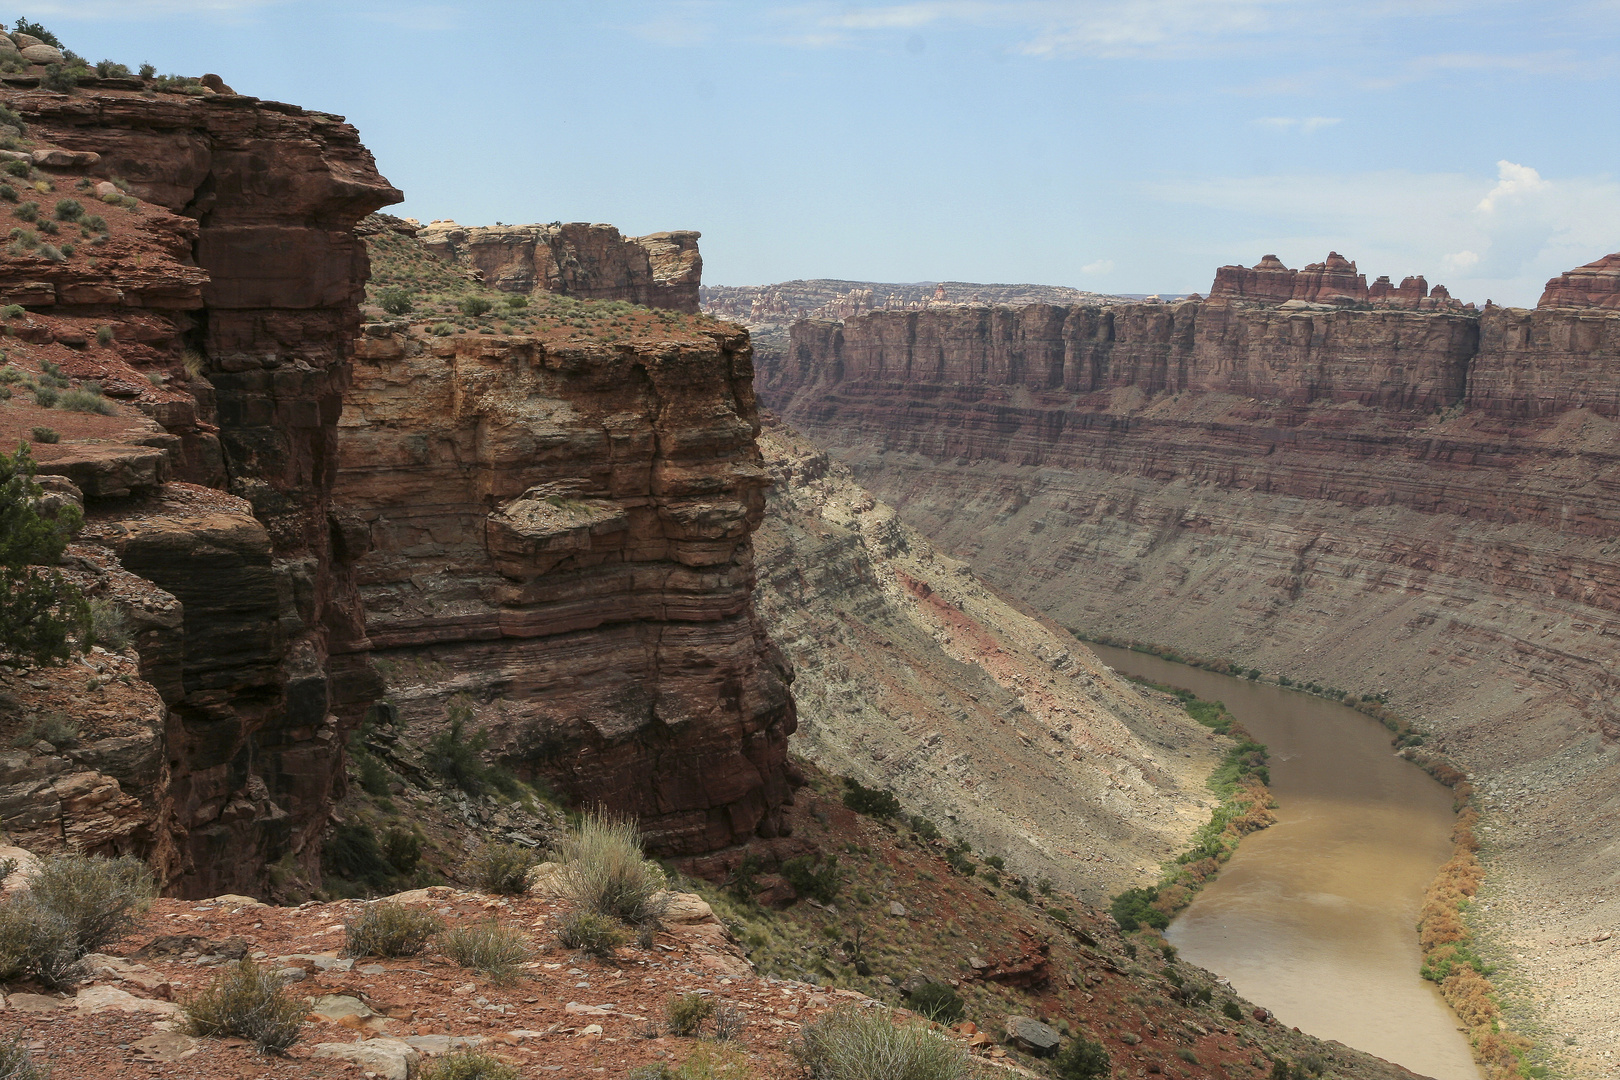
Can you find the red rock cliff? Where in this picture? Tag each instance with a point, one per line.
(562, 530)
(239, 249)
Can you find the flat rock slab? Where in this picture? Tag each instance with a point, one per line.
(391, 1059)
(38, 1003)
(100, 999)
(165, 1046)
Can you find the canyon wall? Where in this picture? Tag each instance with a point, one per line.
(230, 280)
(1416, 502)
(590, 262)
(559, 532)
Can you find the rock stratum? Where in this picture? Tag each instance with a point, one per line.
(1412, 501)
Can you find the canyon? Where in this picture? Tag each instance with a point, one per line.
(1367, 494)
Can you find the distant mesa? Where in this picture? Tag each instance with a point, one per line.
(1335, 280)
(1597, 284)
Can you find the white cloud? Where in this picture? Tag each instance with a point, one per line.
(1500, 239)
(134, 10)
(1099, 268)
(1514, 182)
(680, 25)
(1304, 125)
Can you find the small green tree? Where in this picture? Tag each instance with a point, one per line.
(41, 612)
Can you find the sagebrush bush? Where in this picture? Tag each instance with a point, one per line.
(36, 942)
(45, 434)
(1083, 1059)
(500, 868)
(589, 932)
(394, 300)
(28, 211)
(851, 1043)
(16, 1063)
(468, 1065)
(69, 210)
(247, 1001)
(389, 929)
(46, 396)
(85, 401)
(109, 626)
(685, 1013)
(604, 871)
(487, 947)
(98, 897)
(475, 306)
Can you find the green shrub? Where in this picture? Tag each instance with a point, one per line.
(1232, 1010)
(402, 848)
(394, 300)
(109, 69)
(685, 1013)
(42, 614)
(352, 853)
(814, 877)
(104, 335)
(589, 932)
(8, 193)
(147, 71)
(53, 728)
(1134, 908)
(458, 756)
(851, 1043)
(487, 947)
(516, 302)
(501, 868)
(13, 311)
(924, 828)
(95, 223)
(51, 253)
(385, 928)
(938, 1002)
(28, 211)
(45, 434)
(34, 29)
(69, 210)
(36, 942)
(246, 1001)
(475, 306)
(63, 80)
(9, 118)
(99, 897)
(1083, 1059)
(20, 169)
(85, 401)
(604, 871)
(468, 1065)
(873, 802)
(16, 1063)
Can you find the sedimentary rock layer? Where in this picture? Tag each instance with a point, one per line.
(561, 532)
(240, 249)
(590, 262)
(1411, 502)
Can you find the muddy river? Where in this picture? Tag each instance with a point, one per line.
(1313, 918)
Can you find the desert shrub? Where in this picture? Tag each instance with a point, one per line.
(500, 868)
(13, 311)
(353, 854)
(51, 253)
(45, 435)
(604, 871)
(147, 71)
(85, 401)
(389, 929)
(394, 300)
(42, 614)
(34, 29)
(938, 1002)
(1188, 1056)
(814, 876)
(104, 335)
(873, 802)
(16, 1063)
(1083, 1059)
(28, 211)
(95, 223)
(729, 1022)
(685, 1013)
(1134, 908)
(1232, 1010)
(246, 1001)
(458, 756)
(402, 848)
(5, 393)
(516, 302)
(850, 1043)
(54, 728)
(488, 947)
(8, 193)
(98, 896)
(9, 118)
(20, 169)
(468, 1065)
(46, 397)
(475, 306)
(69, 210)
(924, 828)
(589, 932)
(64, 80)
(36, 942)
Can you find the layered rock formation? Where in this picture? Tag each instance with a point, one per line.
(590, 262)
(1595, 285)
(1414, 502)
(561, 532)
(234, 245)
(1335, 281)
(913, 677)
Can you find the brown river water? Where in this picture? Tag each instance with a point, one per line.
(1314, 917)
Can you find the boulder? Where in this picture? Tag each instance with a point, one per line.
(216, 84)
(392, 1059)
(1032, 1036)
(546, 879)
(22, 41)
(42, 54)
(57, 158)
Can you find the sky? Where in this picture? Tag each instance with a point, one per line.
(1126, 146)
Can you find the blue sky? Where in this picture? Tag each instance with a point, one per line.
(1115, 145)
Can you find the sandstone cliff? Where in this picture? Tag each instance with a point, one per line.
(1407, 501)
(227, 280)
(556, 525)
(591, 262)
